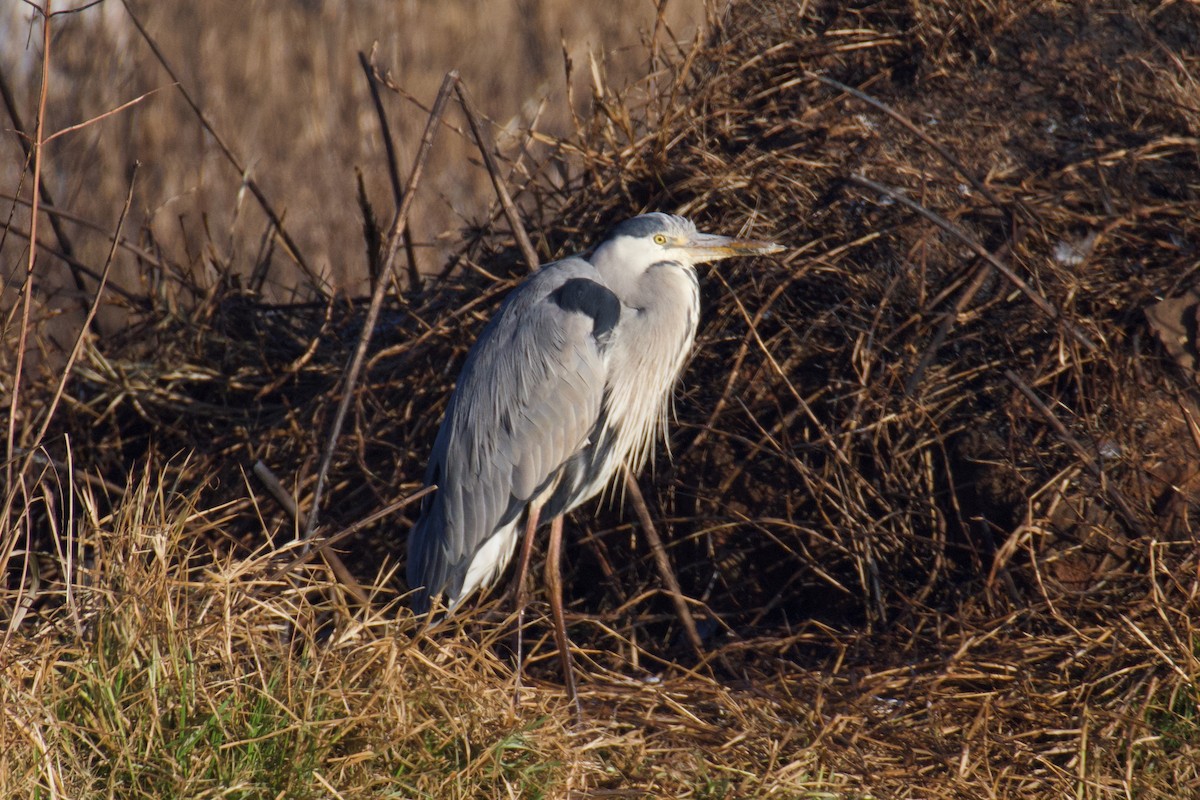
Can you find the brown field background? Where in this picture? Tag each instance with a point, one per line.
(282, 85)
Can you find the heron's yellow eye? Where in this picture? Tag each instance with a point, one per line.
(660, 239)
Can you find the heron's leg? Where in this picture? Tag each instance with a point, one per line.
(554, 586)
(518, 590)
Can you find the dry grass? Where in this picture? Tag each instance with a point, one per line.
(169, 671)
(936, 524)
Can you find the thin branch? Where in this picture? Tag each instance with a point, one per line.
(920, 134)
(664, 564)
(27, 290)
(485, 148)
(83, 7)
(393, 164)
(320, 544)
(137, 301)
(389, 145)
(381, 283)
(1007, 271)
(56, 215)
(263, 202)
(14, 114)
(276, 490)
(950, 318)
(1089, 461)
(340, 571)
(48, 413)
(105, 115)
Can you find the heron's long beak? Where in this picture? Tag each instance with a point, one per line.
(704, 247)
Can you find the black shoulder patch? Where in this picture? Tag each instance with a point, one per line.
(588, 297)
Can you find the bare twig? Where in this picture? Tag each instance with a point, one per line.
(340, 571)
(48, 412)
(276, 490)
(947, 324)
(27, 289)
(1005, 270)
(92, 120)
(950, 318)
(364, 338)
(55, 214)
(250, 183)
(138, 301)
(65, 11)
(385, 131)
(485, 149)
(664, 564)
(64, 241)
(1089, 461)
(323, 544)
(389, 149)
(907, 123)
(33, 449)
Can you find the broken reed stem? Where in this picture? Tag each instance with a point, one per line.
(958, 233)
(26, 300)
(23, 138)
(393, 163)
(1089, 461)
(946, 155)
(489, 160)
(663, 563)
(293, 249)
(381, 283)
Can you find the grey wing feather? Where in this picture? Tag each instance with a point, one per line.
(527, 399)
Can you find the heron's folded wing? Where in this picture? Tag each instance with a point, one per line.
(527, 399)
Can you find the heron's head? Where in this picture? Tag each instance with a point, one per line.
(652, 238)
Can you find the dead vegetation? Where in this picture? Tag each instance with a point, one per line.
(932, 482)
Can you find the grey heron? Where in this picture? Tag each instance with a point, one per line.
(568, 383)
